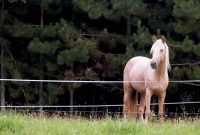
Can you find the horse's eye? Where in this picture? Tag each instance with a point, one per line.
(161, 50)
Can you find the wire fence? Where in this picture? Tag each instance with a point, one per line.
(94, 112)
(100, 109)
(85, 81)
(187, 82)
(93, 106)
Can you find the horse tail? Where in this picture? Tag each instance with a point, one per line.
(130, 105)
(130, 99)
(130, 95)
(134, 104)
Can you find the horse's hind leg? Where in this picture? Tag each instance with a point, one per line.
(130, 104)
(126, 106)
(141, 107)
(133, 105)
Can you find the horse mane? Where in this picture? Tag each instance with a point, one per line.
(167, 57)
(166, 54)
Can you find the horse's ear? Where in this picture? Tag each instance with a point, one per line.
(154, 38)
(163, 39)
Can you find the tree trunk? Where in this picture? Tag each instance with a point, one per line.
(94, 110)
(41, 85)
(2, 76)
(128, 25)
(71, 100)
(2, 65)
(41, 59)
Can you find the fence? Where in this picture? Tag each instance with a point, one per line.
(75, 81)
(94, 108)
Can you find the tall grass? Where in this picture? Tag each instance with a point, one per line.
(17, 124)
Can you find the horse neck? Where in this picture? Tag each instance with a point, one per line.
(162, 69)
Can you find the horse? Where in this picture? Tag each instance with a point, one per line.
(146, 77)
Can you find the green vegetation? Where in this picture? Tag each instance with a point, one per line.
(92, 40)
(16, 124)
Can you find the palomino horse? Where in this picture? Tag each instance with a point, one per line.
(147, 77)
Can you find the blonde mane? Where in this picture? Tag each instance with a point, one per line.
(167, 63)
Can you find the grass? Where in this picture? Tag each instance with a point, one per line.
(17, 124)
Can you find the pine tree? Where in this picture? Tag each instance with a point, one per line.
(129, 10)
(8, 63)
(52, 46)
(188, 16)
(114, 10)
(44, 47)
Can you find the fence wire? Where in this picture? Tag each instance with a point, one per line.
(81, 81)
(94, 108)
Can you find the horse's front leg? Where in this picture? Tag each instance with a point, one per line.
(148, 102)
(161, 99)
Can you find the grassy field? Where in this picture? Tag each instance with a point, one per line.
(16, 124)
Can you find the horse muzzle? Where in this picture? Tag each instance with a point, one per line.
(153, 65)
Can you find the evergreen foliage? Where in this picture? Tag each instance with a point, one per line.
(119, 31)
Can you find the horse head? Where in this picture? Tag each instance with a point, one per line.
(159, 52)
